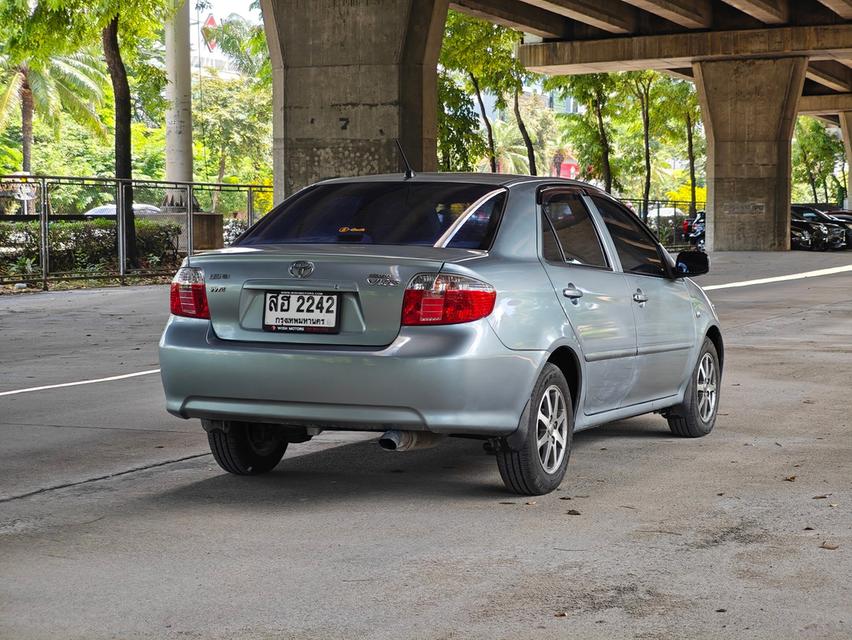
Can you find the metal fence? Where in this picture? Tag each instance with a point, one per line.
(669, 219)
(55, 228)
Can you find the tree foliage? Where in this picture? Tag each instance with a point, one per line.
(817, 155)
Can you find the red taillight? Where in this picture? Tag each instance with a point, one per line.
(188, 295)
(433, 298)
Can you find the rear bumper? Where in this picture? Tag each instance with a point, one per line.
(451, 379)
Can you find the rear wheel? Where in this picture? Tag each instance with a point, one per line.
(537, 464)
(246, 448)
(697, 415)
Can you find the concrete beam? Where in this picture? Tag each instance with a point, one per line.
(692, 14)
(768, 11)
(679, 50)
(515, 15)
(614, 17)
(843, 8)
(831, 74)
(830, 104)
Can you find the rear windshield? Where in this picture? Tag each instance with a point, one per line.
(401, 213)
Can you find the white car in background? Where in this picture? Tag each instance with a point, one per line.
(109, 210)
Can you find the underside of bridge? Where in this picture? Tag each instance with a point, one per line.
(352, 75)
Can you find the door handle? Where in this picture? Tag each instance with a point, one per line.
(572, 292)
(640, 297)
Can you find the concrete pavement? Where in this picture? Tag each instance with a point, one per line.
(703, 539)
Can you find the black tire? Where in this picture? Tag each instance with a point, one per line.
(691, 419)
(521, 466)
(246, 448)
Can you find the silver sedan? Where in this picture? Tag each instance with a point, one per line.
(513, 309)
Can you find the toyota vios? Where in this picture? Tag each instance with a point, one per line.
(513, 309)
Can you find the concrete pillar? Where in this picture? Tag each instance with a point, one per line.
(179, 97)
(749, 110)
(846, 129)
(349, 77)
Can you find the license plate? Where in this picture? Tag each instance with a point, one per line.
(301, 311)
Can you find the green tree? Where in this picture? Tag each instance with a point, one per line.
(233, 121)
(485, 53)
(817, 154)
(245, 45)
(460, 143)
(31, 85)
(591, 131)
(509, 149)
(643, 87)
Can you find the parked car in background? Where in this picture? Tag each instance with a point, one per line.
(844, 218)
(511, 309)
(696, 231)
(108, 210)
(825, 232)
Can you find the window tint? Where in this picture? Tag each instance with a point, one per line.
(574, 231)
(636, 248)
(382, 213)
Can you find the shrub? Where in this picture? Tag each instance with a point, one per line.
(86, 245)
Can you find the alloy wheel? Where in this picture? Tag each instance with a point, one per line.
(705, 385)
(552, 429)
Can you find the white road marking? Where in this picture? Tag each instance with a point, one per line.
(792, 276)
(80, 382)
(713, 287)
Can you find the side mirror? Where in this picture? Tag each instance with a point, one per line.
(691, 263)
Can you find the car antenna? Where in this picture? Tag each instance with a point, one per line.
(409, 172)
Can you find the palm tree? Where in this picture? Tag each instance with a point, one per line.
(510, 152)
(71, 84)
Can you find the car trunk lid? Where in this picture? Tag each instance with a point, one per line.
(369, 280)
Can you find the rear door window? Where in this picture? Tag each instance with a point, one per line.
(568, 226)
(385, 213)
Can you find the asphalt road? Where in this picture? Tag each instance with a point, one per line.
(116, 523)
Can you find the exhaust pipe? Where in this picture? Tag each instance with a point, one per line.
(395, 440)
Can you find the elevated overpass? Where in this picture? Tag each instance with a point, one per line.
(352, 75)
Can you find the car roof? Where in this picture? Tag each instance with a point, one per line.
(496, 179)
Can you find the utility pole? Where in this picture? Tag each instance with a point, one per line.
(179, 109)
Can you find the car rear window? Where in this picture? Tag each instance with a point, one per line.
(403, 213)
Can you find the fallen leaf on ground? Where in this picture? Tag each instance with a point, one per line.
(531, 503)
(790, 479)
(832, 504)
(508, 503)
(820, 497)
(572, 512)
(808, 402)
(721, 610)
(560, 614)
(626, 506)
(829, 545)
(809, 528)
(565, 498)
(721, 494)
(779, 444)
(603, 448)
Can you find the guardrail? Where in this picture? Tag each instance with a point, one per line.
(55, 228)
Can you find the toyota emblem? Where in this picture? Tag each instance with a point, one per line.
(301, 269)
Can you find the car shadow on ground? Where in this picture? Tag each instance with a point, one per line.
(362, 472)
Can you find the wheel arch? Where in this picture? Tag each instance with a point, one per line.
(715, 336)
(569, 364)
